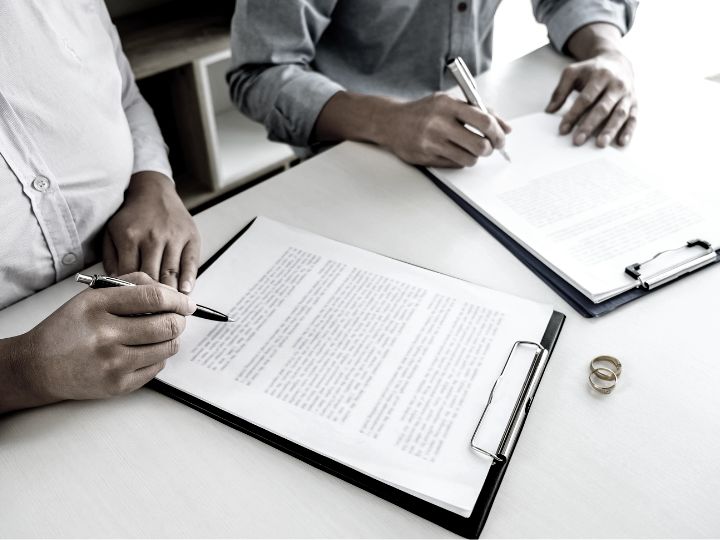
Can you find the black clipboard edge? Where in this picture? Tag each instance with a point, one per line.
(565, 290)
(469, 527)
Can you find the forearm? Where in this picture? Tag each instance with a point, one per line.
(285, 98)
(594, 39)
(18, 390)
(149, 149)
(353, 117)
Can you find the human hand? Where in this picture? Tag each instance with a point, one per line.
(607, 103)
(431, 132)
(101, 343)
(154, 233)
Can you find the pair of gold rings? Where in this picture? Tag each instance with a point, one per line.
(604, 373)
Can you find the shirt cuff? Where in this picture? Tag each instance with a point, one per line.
(574, 15)
(298, 106)
(151, 155)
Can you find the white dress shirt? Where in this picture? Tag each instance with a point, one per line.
(73, 129)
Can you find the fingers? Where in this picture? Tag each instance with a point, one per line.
(458, 156)
(474, 144)
(151, 254)
(485, 123)
(439, 131)
(142, 376)
(614, 124)
(598, 114)
(128, 255)
(605, 101)
(110, 257)
(132, 367)
(626, 133)
(189, 265)
(169, 269)
(442, 162)
(569, 80)
(173, 262)
(145, 299)
(503, 124)
(142, 356)
(585, 100)
(124, 383)
(138, 278)
(463, 146)
(148, 329)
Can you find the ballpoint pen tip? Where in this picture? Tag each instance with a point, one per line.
(230, 319)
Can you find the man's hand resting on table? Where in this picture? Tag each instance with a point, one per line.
(606, 106)
(101, 343)
(154, 233)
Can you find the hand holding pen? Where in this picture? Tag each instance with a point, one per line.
(104, 282)
(429, 131)
(94, 346)
(467, 84)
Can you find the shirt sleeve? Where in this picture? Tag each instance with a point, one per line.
(150, 151)
(271, 78)
(564, 17)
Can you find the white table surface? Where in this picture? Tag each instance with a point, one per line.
(643, 461)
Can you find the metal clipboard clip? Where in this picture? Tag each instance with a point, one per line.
(674, 271)
(522, 404)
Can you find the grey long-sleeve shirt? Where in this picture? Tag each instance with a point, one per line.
(291, 56)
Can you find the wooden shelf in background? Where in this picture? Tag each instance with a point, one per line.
(244, 152)
(174, 34)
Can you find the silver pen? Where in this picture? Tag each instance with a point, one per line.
(467, 84)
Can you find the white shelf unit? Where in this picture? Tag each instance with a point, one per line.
(237, 148)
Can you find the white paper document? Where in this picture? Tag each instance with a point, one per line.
(375, 363)
(586, 212)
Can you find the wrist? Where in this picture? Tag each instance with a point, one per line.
(21, 384)
(383, 118)
(149, 182)
(600, 47)
(595, 39)
(614, 54)
(355, 117)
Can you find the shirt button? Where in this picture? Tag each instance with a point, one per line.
(462, 6)
(69, 259)
(41, 183)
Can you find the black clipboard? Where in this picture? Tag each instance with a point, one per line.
(581, 303)
(469, 527)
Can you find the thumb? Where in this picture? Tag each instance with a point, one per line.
(138, 278)
(145, 299)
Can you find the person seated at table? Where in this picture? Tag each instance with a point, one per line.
(316, 71)
(81, 152)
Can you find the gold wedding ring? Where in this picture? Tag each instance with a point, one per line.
(603, 380)
(604, 373)
(612, 361)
